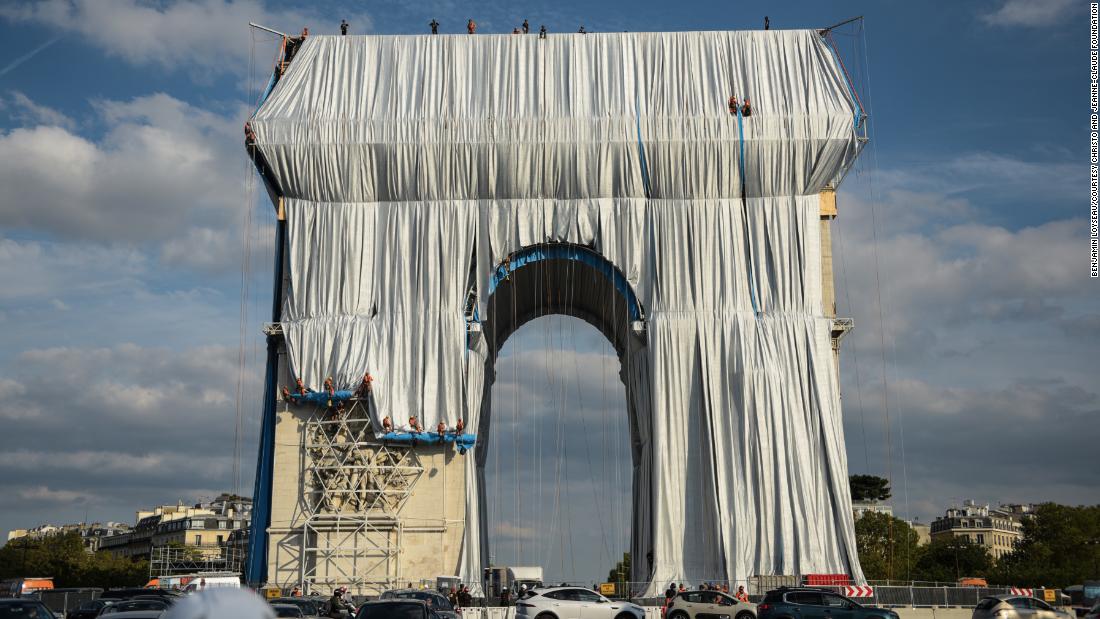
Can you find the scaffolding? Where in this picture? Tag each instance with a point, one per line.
(180, 560)
(354, 488)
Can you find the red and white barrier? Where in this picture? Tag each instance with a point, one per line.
(861, 591)
(1021, 591)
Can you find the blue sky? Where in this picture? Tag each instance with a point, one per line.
(126, 207)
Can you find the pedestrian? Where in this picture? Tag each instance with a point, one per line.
(435, 26)
(464, 597)
(471, 26)
(297, 592)
(452, 597)
(741, 595)
(542, 31)
(683, 587)
(670, 593)
(505, 597)
(526, 27)
(343, 27)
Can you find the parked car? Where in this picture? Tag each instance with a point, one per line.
(395, 609)
(435, 600)
(309, 607)
(573, 603)
(1094, 613)
(89, 609)
(126, 594)
(287, 610)
(1016, 607)
(708, 605)
(136, 603)
(138, 614)
(810, 603)
(23, 608)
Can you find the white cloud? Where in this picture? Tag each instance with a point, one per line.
(200, 37)
(1030, 13)
(24, 111)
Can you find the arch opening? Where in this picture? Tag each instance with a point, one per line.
(566, 280)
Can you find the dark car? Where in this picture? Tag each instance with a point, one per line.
(287, 610)
(22, 608)
(88, 610)
(810, 603)
(435, 600)
(135, 603)
(126, 594)
(309, 608)
(395, 609)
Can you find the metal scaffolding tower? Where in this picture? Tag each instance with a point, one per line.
(182, 560)
(355, 487)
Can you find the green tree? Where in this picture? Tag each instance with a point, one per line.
(64, 558)
(888, 547)
(619, 575)
(869, 488)
(947, 559)
(1060, 546)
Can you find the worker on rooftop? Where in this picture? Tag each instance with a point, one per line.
(526, 27)
(542, 31)
(435, 26)
(581, 31)
(471, 26)
(343, 27)
(767, 23)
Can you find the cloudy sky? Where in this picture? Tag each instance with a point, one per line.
(132, 235)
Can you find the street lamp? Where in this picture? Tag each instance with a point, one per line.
(956, 546)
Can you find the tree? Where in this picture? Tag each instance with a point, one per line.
(619, 575)
(64, 558)
(869, 488)
(888, 547)
(1060, 546)
(948, 558)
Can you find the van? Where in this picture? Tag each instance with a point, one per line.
(201, 582)
(19, 587)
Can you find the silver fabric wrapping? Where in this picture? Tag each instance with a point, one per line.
(407, 161)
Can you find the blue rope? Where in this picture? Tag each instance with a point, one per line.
(745, 212)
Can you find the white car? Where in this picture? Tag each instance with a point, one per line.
(574, 603)
(708, 605)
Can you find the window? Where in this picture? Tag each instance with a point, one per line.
(221, 524)
(557, 595)
(694, 597)
(810, 598)
(1019, 603)
(1038, 604)
(198, 540)
(834, 601)
(981, 538)
(584, 595)
(221, 540)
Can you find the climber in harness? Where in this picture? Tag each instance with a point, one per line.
(387, 425)
(526, 27)
(582, 30)
(459, 427)
(733, 104)
(441, 428)
(471, 26)
(435, 26)
(343, 27)
(542, 31)
(300, 387)
(365, 386)
(414, 423)
(767, 23)
(746, 109)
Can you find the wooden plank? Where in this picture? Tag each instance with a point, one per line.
(828, 202)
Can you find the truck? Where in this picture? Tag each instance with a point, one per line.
(520, 577)
(19, 587)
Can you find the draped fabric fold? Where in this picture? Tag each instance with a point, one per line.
(412, 167)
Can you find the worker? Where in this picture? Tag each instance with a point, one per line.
(300, 388)
(329, 388)
(459, 427)
(733, 104)
(452, 597)
(435, 26)
(767, 23)
(741, 595)
(442, 429)
(515, 30)
(286, 394)
(296, 592)
(581, 31)
(249, 135)
(387, 425)
(526, 27)
(464, 596)
(414, 423)
(746, 110)
(542, 31)
(343, 28)
(471, 26)
(365, 385)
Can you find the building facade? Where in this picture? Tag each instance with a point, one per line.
(995, 528)
(200, 531)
